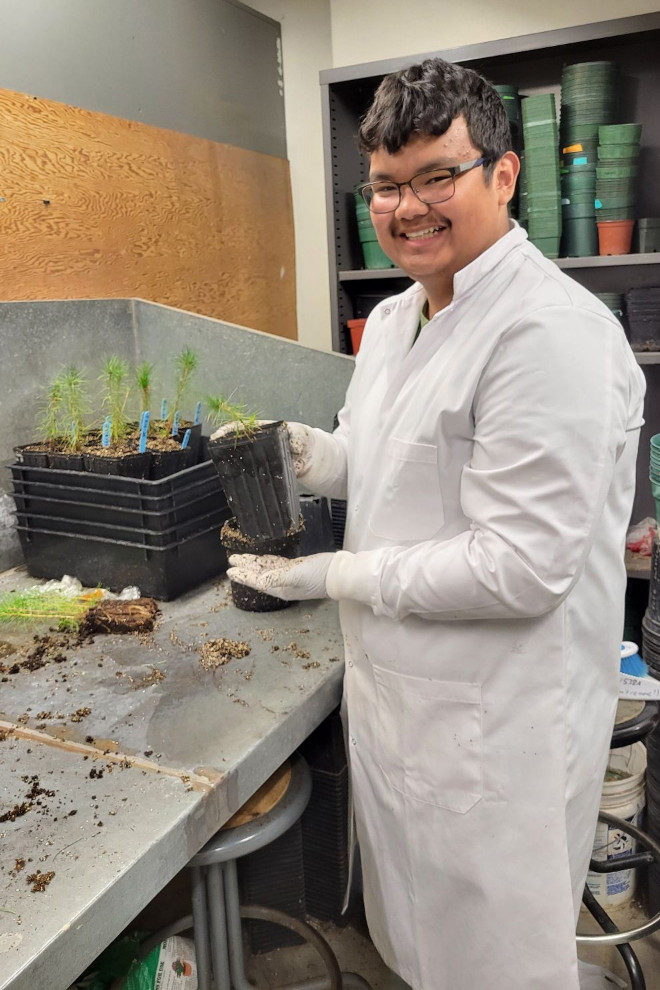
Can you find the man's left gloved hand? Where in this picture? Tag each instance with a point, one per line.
(297, 579)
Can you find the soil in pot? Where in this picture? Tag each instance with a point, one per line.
(234, 541)
(256, 472)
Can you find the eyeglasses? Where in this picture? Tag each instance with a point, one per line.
(435, 185)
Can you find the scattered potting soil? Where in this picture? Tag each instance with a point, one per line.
(116, 616)
(40, 880)
(297, 652)
(48, 649)
(218, 652)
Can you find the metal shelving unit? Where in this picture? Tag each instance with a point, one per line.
(528, 61)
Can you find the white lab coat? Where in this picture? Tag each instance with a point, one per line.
(489, 472)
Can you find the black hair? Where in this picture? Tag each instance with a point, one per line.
(425, 99)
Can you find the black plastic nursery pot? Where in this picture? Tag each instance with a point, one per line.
(166, 462)
(126, 466)
(30, 457)
(234, 541)
(259, 480)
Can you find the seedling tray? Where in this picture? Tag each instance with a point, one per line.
(160, 572)
(114, 484)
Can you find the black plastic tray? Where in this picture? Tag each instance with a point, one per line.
(103, 510)
(160, 572)
(124, 534)
(114, 484)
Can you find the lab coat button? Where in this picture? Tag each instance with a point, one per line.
(353, 742)
(387, 311)
(350, 663)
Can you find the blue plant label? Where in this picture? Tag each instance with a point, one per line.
(198, 414)
(175, 424)
(598, 204)
(163, 409)
(144, 430)
(186, 440)
(105, 435)
(580, 161)
(73, 431)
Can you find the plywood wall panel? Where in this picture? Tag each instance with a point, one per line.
(94, 206)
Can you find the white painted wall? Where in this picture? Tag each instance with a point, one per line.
(306, 49)
(367, 30)
(321, 34)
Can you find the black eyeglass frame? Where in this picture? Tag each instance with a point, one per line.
(453, 171)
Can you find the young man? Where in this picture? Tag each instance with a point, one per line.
(487, 452)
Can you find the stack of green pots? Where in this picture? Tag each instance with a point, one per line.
(523, 195)
(542, 173)
(511, 100)
(589, 97)
(614, 302)
(616, 173)
(654, 472)
(372, 253)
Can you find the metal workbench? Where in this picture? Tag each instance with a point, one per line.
(131, 772)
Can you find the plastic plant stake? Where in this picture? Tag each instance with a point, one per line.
(175, 424)
(186, 440)
(144, 430)
(198, 414)
(163, 409)
(105, 436)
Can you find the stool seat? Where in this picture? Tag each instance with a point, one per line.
(235, 841)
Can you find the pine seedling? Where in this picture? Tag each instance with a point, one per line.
(50, 421)
(73, 402)
(144, 381)
(221, 411)
(25, 608)
(115, 380)
(186, 364)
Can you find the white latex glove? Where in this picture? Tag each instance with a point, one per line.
(301, 442)
(297, 579)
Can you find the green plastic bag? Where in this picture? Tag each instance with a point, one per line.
(170, 966)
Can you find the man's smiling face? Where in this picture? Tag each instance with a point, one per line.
(432, 242)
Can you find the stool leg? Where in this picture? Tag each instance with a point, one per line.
(234, 931)
(201, 929)
(218, 926)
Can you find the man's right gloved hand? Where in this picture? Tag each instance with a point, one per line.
(301, 442)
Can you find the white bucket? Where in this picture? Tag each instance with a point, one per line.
(623, 795)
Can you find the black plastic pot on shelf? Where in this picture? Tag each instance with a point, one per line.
(259, 480)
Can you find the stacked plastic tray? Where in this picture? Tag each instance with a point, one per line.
(542, 173)
(162, 536)
(643, 316)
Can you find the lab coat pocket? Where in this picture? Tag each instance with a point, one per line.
(429, 739)
(408, 501)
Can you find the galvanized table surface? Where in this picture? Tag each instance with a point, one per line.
(124, 756)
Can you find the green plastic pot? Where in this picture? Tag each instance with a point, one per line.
(619, 133)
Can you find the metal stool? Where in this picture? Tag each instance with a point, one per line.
(217, 913)
(631, 726)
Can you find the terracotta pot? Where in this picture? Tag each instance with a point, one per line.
(615, 236)
(356, 329)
